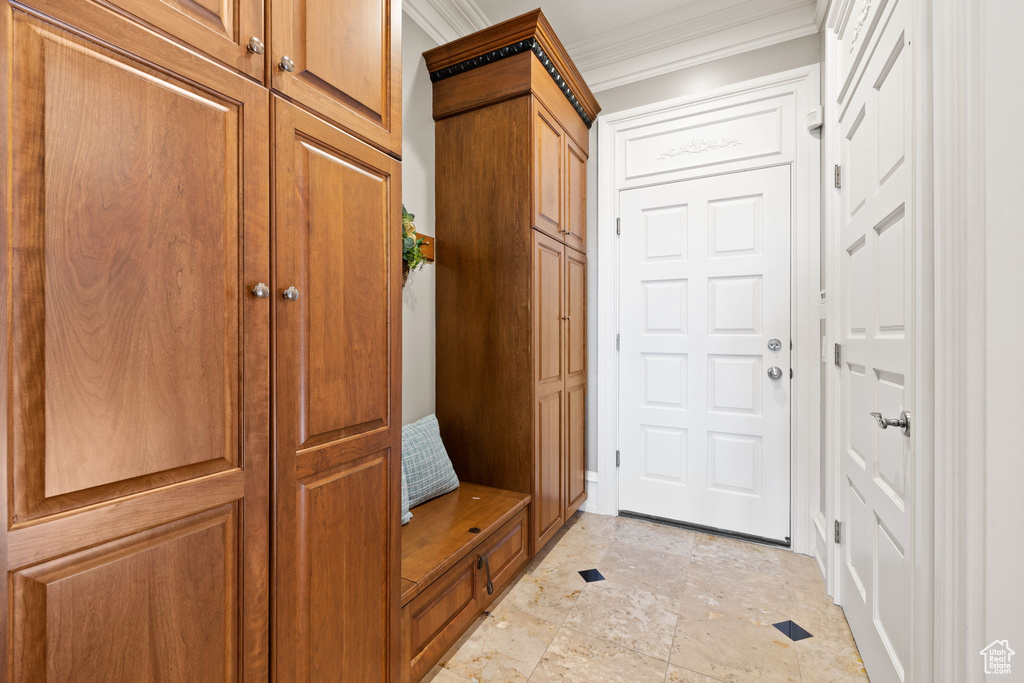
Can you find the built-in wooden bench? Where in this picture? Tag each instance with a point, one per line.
(450, 549)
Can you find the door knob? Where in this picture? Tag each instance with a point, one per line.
(774, 344)
(775, 372)
(903, 422)
(291, 294)
(286, 64)
(260, 290)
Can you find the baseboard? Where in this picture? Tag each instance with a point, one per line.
(590, 504)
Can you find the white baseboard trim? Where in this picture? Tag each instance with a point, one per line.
(590, 504)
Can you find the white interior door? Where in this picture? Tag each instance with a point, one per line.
(876, 299)
(704, 286)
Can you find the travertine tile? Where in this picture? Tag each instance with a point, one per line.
(657, 572)
(678, 675)
(575, 656)
(630, 617)
(740, 592)
(506, 647)
(826, 661)
(730, 648)
(439, 674)
(726, 553)
(546, 591)
(702, 603)
(655, 537)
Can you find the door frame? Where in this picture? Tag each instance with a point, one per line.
(800, 89)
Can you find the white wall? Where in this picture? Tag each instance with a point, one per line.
(1004, 331)
(418, 321)
(694, 80)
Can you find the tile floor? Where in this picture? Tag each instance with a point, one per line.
(674, 605)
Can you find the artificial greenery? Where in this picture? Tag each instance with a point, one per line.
(412, 254)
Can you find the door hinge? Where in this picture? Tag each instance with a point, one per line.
(839, 176)
(618, 342)
(618, 226)
(839, 529)
(618, 458)
(839, 355)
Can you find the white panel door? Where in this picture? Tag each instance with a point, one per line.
(704, 285)
(876, 242)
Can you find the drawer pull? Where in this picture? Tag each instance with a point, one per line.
(481, 562)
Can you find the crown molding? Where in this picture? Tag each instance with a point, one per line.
(698, 33)
(821, 8)
(446, 20)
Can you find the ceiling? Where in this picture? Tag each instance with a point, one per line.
(612, 47)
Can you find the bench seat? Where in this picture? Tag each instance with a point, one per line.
(451, 548)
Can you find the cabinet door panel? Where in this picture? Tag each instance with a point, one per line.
(575, 379)
(547, 507)
(220, 29)
(575, 196)
(347, 57)
(336, 214)
(548, 172)
(137, 356)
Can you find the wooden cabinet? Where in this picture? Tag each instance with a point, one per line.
(136, 384)
(549, 389)
(575, 406)
(340, 58)
(337, 292)
(511, 149)
(559, 181)
(153, 221)
(230, 31)
(344, 62)
(548, 173)
(575, 196)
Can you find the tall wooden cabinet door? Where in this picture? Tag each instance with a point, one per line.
(548, 173)
(337, 326)
(136, 385)
(575, 196)
(575, 350)
(548, 505)
(343, 60)
(230, 31)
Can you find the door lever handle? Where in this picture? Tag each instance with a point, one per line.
(903, 422)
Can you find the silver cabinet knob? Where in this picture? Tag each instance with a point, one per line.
(774, 344)
(903, 422)
(260, 290)
(255, 46)
(775, 372)
(291, 294)
(286, 64)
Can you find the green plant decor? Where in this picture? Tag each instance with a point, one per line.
(412, 254)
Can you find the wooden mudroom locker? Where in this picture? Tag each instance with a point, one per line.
(201, 302)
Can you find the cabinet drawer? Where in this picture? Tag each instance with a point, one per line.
(506, 553)
(435, 619)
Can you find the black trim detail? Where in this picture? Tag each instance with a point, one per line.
(706, 529)
(532, 45)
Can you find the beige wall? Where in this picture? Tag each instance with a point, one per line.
(697, 79)
(418, 197)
